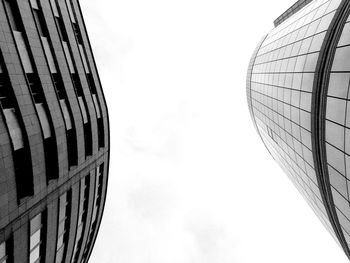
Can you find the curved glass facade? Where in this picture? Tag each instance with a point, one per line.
(298, 94)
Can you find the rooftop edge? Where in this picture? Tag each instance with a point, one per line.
(291, 11)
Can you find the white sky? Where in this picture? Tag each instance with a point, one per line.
(190, 180)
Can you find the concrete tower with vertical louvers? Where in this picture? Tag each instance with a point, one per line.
(54, 134)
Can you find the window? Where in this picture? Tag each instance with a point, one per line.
(96, 207)
(63, 226)
(97, 105)
(14, 128)
(23, 52)
(68, 118)
(36, 242)
(82, 52)
(6, 251)
(66, 114)
(83, 109)
(3, 254)
(14, 124)
(69, 57)
(34, 4)
(83, 205)
(70, 11)
(54, 8)
(43, 120)
(101, 134)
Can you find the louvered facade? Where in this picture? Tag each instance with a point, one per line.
(54, 134)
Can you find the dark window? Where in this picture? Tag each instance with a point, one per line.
(6, 251)
(18, 135)
(77, 85)
(75, 79)
(101, 133)
(40, 22)
(100, 126)
(91, 83)
(68, 117)
(88, 139)
(85, 115)
(58, 85)
(13, 15)
(77, 33)
(50, 147)
(61, 29)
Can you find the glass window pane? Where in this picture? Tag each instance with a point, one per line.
(34, 239)
(34, 255)
(35, 224)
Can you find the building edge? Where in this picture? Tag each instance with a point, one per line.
(318, 113)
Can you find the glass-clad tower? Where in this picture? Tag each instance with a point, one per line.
(54, 134)
(298, 94)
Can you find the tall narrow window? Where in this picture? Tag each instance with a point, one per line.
(37, 239)
(83, 205)
(50, 146)
(100, 126)
(96, 208)
(3, 254)
(63, 226)
(83, 107)
(58, 84)
(6, 251)
(19, 140)
(68, 117)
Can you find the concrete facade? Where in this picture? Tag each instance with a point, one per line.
(54, 132)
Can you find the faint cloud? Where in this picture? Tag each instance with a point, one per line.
(163, 140)
(211, 240)
(151, 200)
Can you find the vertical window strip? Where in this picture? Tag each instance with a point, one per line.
(3, 253)
(63, 227)
(83, 205)
(37, 92)
(36, 239)
(91, 83)
(75, 79)
(96, 207)
(18, 136)
(58, 84)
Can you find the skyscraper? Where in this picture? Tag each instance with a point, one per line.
(298, 95)
(54, 134)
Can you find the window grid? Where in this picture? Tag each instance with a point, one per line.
(281, 92)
